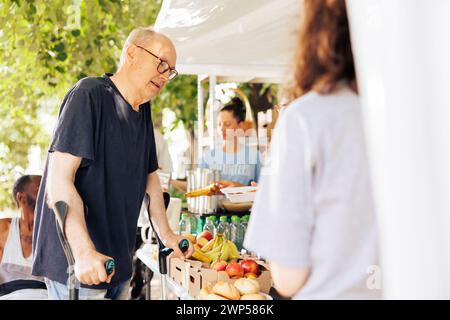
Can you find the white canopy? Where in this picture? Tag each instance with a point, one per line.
(239, 40)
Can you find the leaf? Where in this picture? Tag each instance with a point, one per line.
(75, 32)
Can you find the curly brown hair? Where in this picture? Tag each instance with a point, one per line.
(324, 53)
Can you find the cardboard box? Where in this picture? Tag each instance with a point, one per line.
(179, 270)
(194, 276)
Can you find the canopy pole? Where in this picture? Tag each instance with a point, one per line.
(201, 118)
(212, 111)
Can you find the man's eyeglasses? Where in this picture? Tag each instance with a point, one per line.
(163, 66)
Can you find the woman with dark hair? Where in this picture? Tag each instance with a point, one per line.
(237, 161)
(313, 216)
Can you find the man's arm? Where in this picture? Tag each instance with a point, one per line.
(159, 217)
(89, 264)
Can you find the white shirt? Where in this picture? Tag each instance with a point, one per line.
(314, 206)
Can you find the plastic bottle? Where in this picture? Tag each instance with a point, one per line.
(209, 225)
(215, 221)
(223, 227)
(185, 224)
(236, 232)
(243, 228)
(194, 223)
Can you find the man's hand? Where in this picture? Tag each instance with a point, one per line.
(222, 184)
(90, 268)
(173, 240)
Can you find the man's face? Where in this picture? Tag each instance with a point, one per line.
(30, 194)
(147, 59)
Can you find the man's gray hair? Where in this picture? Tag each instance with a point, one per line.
(139, 36)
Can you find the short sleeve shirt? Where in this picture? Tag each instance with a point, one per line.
(242, 166)
(314, 206)
(117, 147)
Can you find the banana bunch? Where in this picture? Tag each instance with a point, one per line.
(217, 248)
(214, 247)
(200, 256)
(233, 252)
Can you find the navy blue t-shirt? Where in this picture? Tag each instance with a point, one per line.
(117, 147)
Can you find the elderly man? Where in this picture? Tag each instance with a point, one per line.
(16, 281)
(101, 162)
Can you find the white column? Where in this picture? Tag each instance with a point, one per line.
(201, 118)
(402, 52)
(212, 111)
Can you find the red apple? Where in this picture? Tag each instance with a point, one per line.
(250, 276)
(220, 265)
(205, 234)
(234, 270)
(250, 266)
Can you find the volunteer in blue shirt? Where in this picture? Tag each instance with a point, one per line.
(238, 162)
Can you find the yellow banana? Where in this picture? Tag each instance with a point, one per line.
(214, 257)
(213, 252)
(219, 241)
(200, 256)
(225, 251)
(234, 252)
(209, 245)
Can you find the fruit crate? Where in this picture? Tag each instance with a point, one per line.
(179, 270)
(195, 275)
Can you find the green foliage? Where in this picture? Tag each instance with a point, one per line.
(180, 95)
(48, 45)
(45, 47)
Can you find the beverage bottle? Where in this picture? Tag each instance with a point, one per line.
(194, 223)
(209, 225)
(243, 228)
(235, 232)
(185, 224)
(223, 227)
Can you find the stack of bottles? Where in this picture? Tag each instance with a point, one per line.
(234, 230)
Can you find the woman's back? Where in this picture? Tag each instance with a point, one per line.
(315, 197)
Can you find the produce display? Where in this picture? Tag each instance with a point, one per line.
(216, 249)
(220, 272)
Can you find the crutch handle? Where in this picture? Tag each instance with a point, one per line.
(110, 266)
(183, 245)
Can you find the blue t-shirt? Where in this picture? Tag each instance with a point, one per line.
(117, 147)
(243, 166)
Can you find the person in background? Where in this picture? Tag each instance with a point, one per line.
(16, 234)
(238, 162)
(101, 162)
(313, 216)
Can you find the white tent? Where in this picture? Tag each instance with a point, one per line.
(230, 40)
(240, 40)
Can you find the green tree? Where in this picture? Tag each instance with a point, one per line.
(45, 47)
